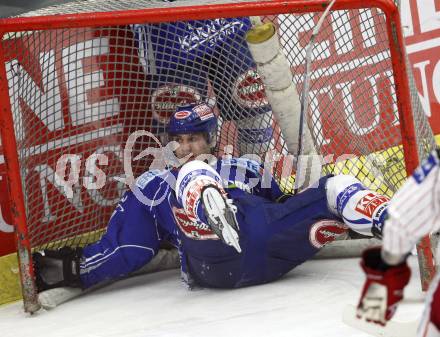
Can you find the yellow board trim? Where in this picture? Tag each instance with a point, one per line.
(393, 170)
(10, 288)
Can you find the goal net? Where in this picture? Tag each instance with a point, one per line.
(77, 80)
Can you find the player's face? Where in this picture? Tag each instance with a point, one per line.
(194, 144)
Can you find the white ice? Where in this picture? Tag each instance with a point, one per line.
(307, 302)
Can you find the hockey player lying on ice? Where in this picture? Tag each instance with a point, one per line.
(413, 213)
(231, 227)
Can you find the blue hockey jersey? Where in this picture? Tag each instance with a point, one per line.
(274, 237)
(183, 61)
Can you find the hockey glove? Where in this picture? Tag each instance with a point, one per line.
(383, 288)
(57, 268)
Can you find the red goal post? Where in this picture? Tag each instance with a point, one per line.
(39, 51)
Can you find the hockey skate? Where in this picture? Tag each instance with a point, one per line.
(57, 268)
(220, 213)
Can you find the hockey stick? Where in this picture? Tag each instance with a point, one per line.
(164, 260)
(391, 329)
(305, 103)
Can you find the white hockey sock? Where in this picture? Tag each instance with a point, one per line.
(361, 209)
(191, 179)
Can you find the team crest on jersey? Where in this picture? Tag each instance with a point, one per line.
(196, 230)
(166, 99)
(368, 204)
(249, 90)
(325, 231)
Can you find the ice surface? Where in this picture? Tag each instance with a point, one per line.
(307, 302)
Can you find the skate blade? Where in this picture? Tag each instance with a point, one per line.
(229, 234)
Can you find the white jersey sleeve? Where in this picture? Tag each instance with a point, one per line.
(414, 211)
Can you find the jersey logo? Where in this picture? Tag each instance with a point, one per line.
(343, 197)
(146, 177)
(209, 32)
(368, 204)
(248, 90)
(166, 98)
(423, 170)
(379, 220)
(196, 230)
(244, 163)
(325, 231)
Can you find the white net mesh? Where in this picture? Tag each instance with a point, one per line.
(79, 93)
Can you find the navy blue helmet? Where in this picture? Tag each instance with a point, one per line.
(194, 118)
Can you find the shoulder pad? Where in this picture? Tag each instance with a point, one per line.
(143, 180)
(248, 164)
